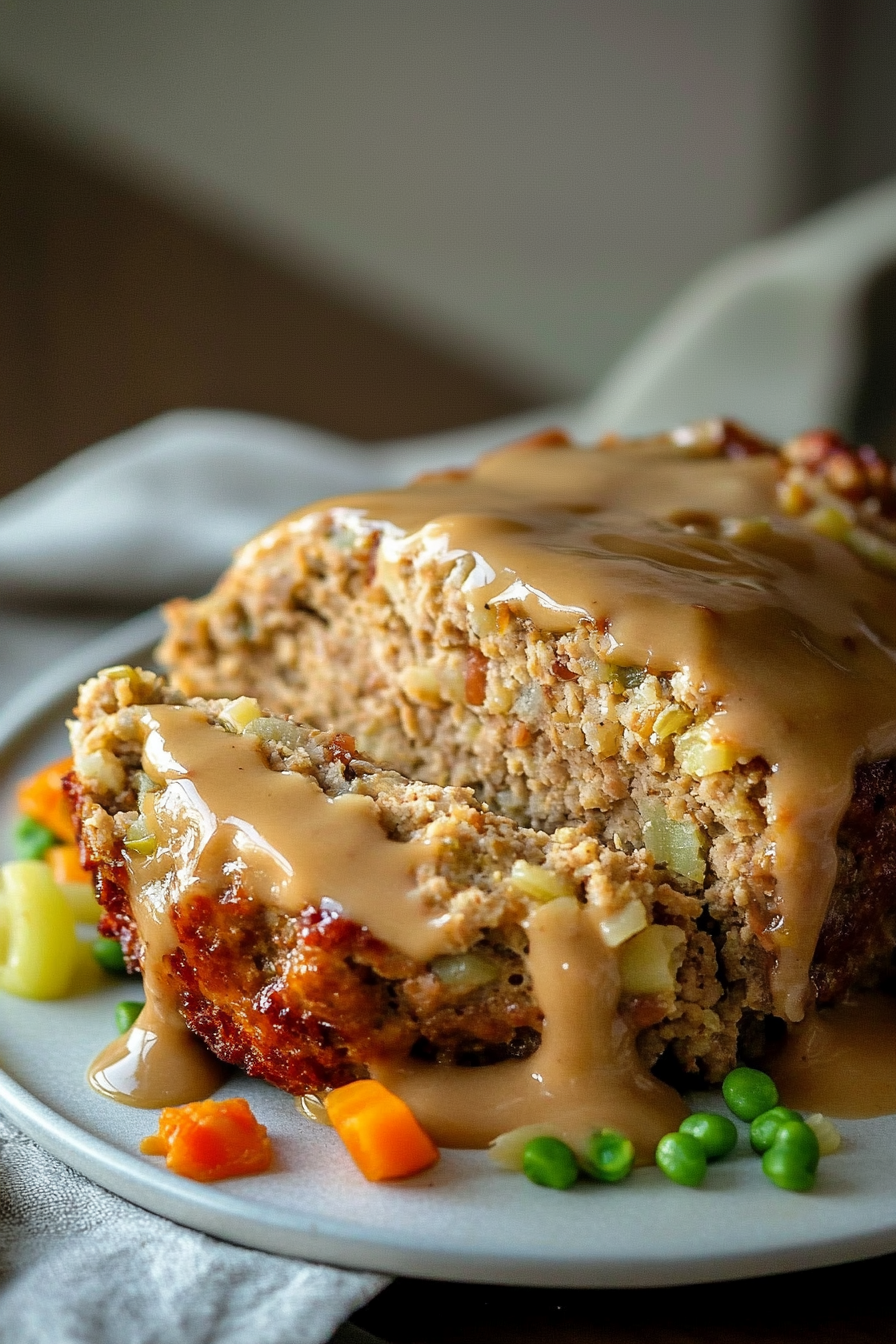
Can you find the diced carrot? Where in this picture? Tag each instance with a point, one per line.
(65, 864)
(211, 1140)
(41, 798)
(380, 1131)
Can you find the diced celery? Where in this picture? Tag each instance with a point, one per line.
(140, 839)
(617, 929)
(672, 719)
(538, 882)
(239, 712)
(465, 970)
(144, 784)
(274, 730)
(120, 672)
(700, 753)
(647, 962)
(618, 676)
(680, 845)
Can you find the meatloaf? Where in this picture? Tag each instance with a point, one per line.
(681, 644)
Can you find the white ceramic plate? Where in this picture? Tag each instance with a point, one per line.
(465, 1219)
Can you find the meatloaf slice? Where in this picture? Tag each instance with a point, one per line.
(307, 999)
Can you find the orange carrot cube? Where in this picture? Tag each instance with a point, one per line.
(380, 1131)
(211, 1140)
(41, 798)
(65, 864)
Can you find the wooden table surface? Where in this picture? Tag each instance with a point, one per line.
(114, 306)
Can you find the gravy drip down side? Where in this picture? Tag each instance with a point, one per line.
(586, 1073)
(222, 809)
(841, 1060)
(784, 632)
(157, 1061)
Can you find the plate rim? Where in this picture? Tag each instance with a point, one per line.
(213, 1211)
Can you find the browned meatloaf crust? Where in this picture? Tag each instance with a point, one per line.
(306, 1000)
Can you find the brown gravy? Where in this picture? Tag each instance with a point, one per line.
(158, 1062)
(291, 844)
(842, 1060)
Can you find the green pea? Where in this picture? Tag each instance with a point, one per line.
(31, 840)
(749, 1092)
(548, 1161)
(716, 1133)
(126, 1014)
(764, 1129)
(108, 953)
(609, 1155)
(796, 1137)
(792, 1160)
(682, 1158)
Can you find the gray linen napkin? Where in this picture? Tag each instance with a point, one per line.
(81, 1266)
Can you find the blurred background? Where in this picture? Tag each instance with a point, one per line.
(388, 217)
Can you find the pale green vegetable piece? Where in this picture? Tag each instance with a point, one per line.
(679, 845)
(649, 961)
(274, 730)
(238, 713)
(507, 1149)
(538, 882)
(82, 899)
(120, 672)
(700, 753)
(144, 784)
(140, 839)
(38, 945)
(465, 970)
(826, 1132)
(672, 719)
(616, 929)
